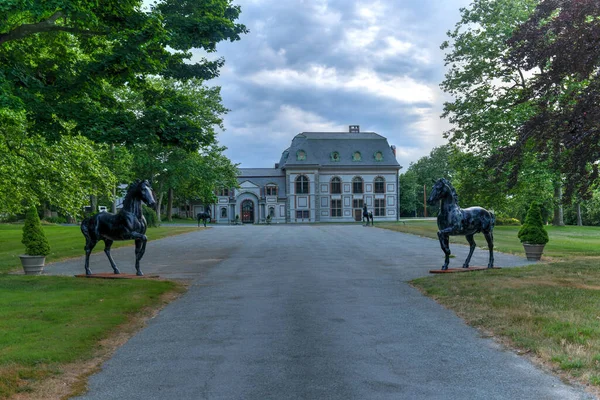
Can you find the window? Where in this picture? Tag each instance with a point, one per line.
(357, 185)
(302, 185)
(379, 208)
(336, 208)
(301, 155)
(356, 156)
(336, 185)
(223, 192)
(378, 156)
(379, 185)
(272, 212)
(223, 212)
(335, 156)
(271, 190)
(358, 203)
(302, 214)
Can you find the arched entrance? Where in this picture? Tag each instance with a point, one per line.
(247, 212)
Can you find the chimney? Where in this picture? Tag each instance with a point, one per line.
(354, 129)
(276, 165)
(393, 150)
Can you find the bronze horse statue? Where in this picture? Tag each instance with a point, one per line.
(453, 220)
(204, 216)
(127, 224)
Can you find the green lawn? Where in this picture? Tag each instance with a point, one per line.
(65, 242)
(565, 241)
(549, 310)
(49, 321)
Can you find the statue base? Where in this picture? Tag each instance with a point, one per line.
(108, 275)
(453, 270)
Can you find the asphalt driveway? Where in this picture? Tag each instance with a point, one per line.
(308, 312)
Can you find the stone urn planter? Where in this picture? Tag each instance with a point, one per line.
(532, 234)
(533, 252)
(33, 265)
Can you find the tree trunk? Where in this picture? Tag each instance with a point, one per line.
(158, 205)
(170, 205)
(558, 207)
(94, 203)
(579, 221)
(47, 212)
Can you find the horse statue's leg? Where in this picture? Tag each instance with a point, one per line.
(472, 245)
(107, 244)
(89, 246)
(204, 220)
(445, 244)
(140, 249)
(489, 237)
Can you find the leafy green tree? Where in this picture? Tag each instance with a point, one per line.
(561, 39)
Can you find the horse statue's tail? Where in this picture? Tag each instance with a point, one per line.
(86, 224)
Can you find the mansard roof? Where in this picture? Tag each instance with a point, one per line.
(262, 177)
(318, 148)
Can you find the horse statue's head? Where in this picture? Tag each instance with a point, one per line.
(143, 191)
(442, 189)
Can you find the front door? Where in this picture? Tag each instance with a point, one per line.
(358, 214)
(247, 212)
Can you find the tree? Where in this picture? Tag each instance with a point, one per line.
(420, 175)
(62, 62)
(490, 92)
(562, 39)
(64, 67)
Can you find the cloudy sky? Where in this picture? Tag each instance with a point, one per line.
(321, 65)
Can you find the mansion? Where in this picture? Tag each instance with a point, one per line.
(321, 177)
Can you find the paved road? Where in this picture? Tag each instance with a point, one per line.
(308, 312)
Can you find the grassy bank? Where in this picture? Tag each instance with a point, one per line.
(65, 242)
(565, 241)
(48, 322)
(549, 310)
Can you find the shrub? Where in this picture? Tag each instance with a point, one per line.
(507, 221)
(533, 231)
(150, 215)
(34, 238)
(56, 220)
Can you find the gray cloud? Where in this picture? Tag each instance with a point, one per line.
(311, 65)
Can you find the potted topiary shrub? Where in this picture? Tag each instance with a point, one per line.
(532, 234)
(36, 244)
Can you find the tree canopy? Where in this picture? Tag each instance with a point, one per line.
(70, 72)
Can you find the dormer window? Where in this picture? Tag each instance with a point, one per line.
(356, 156)
(335, 156)
(301, 155)
(378, 156)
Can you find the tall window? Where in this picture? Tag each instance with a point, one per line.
(379, 208)
(302, 185)
(223, 191)
(336, 207)
(272, 212)
(336, 185)
(379, 185)
(357, 185)
(358, 203)
(271, 190)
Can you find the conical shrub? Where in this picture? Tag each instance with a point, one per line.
(533, 231)
(34, 239)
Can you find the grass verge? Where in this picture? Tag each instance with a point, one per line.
(549, 311)
(65, 242)
(48, 323)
